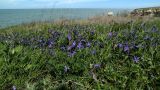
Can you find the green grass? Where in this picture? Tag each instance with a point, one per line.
(28, 63)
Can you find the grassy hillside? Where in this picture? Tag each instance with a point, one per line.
(77, 56)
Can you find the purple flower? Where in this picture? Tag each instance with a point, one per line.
(75, 32)
(49, 43)
(83, 41)
(110, 34)
(146, 37)
(66, 69)
(63, 48)
(120, 45)
(80, 46)
(134, 46)
(69, 37)
(154, 29)
(41, 41)
(69, 48)
(72, 46)
(14, 88)
(97, 66)
(88, 44)
(92, 33)
(126, 48)
(71, 54)
(52, 32)
(154, 44)
(135, 59)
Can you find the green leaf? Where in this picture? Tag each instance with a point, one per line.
(17, 49)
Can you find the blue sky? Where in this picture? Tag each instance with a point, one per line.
(21, 4)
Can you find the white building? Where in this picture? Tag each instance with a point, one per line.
(110, 13)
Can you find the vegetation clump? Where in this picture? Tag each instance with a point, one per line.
(69, 57)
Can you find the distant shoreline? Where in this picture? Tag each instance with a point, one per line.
(10, 17)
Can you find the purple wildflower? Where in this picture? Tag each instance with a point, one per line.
(97, 66)
(69, 48)
(49, 43)
(154, 29)
(83, 41)
(146, 37)
(134, 46)
(75, 32)
(41, 41)
(135, 59)
(14, 88)
(56, 34)
(74, 43)
(72, 46)
(88, 44)
(154, 44)
(92, 33)
(63, 48)
(126, 48)
(110, 34)
(80, 46)
(71, 54)
(120, 45)
(69, 37)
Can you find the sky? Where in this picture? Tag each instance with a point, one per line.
(28, 4)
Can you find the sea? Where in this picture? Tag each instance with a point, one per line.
(11, 17)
